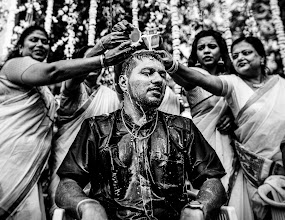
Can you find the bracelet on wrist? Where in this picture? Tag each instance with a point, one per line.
(90, 201)
(173, 68)
(102, 58)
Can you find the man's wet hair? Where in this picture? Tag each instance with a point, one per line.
(131, 62)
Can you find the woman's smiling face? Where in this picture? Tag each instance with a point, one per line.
(246, 60)
(36, 45)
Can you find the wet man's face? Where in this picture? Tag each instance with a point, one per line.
(147, 82)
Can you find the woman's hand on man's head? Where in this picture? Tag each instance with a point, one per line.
(119, 53)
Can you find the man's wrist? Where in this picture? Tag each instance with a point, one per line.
(196, 205)
(84, 204)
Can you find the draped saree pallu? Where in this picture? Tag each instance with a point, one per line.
(26, 130)
(261, 126)
(205, 116)
(206, 110)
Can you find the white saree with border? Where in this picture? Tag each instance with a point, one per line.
(26, 127)
(260, 117)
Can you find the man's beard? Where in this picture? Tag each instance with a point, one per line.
(144, 102)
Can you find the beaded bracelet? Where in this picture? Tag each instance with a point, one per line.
(102, 57)
(79, 214)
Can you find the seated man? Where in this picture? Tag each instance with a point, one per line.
(139, 159)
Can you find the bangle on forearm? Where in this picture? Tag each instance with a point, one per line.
(102, 58)
(78, 211)
(173, 68)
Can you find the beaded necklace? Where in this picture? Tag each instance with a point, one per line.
(142, 157)
(134, 135)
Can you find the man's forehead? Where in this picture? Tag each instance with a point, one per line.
(149, 62)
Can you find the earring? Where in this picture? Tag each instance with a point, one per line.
(262, 63)
(221, 62)
(198, 64)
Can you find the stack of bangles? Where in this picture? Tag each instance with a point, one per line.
(102, 58)
(173, 68)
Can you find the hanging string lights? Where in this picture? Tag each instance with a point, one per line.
(279, 27)
(92, 22)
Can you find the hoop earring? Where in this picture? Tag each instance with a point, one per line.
(198, 64)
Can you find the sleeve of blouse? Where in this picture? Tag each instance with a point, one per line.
(15, 68)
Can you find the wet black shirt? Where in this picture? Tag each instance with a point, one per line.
(140, 175)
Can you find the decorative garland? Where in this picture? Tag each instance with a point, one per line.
(175, 29)
(92, 22)
(279, 27)
(3, 13)
(227, 31)
(48, 18)
(135, 11)
(10, 26)
(71, 21)
(251, 25)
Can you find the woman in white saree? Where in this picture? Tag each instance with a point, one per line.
(257, 102)
(27, 111)
(210, 113)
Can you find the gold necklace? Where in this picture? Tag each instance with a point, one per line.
(135, 136)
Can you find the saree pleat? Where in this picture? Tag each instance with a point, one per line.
(26, 131)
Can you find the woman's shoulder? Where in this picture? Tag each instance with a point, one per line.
(18, 64)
